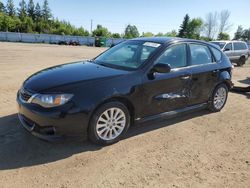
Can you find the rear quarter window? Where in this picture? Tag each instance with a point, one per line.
(240, 46)
(217, 53)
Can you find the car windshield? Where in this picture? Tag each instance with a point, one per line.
(128, 55)
(220, 44)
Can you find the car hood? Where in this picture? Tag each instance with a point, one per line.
(68, 74)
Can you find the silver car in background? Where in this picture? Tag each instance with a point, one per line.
(237, 51)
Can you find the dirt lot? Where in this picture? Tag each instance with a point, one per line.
(196, 150)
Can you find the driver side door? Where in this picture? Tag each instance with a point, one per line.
(163, 92)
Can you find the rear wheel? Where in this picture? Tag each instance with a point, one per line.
(109, 123)
(241, 61)
(219, 98)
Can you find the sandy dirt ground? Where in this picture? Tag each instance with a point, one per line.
(201, 149)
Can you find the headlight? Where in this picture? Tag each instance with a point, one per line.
(50, 100)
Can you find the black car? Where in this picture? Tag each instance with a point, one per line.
(135, 81)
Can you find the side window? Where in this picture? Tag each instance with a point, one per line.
(228, 47)
(217, 53)
(239, 46)
(200, 54)
(175, 56)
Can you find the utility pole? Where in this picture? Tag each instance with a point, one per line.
(91, 26)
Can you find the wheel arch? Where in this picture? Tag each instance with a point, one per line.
(225, 77)
(120, 99)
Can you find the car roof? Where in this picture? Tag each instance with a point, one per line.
(164, 40)
(226, 41)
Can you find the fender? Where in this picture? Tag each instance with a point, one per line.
(225, 77)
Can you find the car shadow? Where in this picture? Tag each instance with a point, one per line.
(19, 149)
(245, 81)
(243, 90)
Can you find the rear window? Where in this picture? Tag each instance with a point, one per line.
(240, 46)
(217, 53)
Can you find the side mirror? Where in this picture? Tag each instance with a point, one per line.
(162, 68)
(226, 50)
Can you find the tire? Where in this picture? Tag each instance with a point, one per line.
(218, 98)
(107, 129)
(241, 61)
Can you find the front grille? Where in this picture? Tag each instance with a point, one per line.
(25, 95)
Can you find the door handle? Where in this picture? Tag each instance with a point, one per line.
(185, 77)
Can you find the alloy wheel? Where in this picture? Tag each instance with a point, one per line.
(110, 124)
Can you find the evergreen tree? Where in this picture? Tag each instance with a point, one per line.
(10, 8)
(2, 8)
(38, 12)
(239, 33)
(31, 9)
(22, 10)
(46, 12)
(184, 29)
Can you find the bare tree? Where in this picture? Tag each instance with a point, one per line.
(224, 24)
(210, 27)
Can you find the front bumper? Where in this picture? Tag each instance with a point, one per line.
(52, 124)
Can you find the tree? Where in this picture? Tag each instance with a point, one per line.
(31, 9)
(101, 31)
(81, 32)
(183, 31)
(239, 33)
(173, 33)
(116, 35)
(131, 31)
(2, 7)
(223, 36)
(10, 8)
(246, 35)
(147, 34)
(46, 12)
(22, 10)
(210, 25)
(224, 24)
(159, 34)
(194, 28)
(27, 25)
(38, 12)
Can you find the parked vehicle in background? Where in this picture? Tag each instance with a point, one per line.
(248, 49)
(237, 51)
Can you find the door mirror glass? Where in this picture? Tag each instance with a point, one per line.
(162, 68)
(226, 50)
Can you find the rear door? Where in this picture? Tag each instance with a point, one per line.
(167, 91)
(204, 70)
(240, 49)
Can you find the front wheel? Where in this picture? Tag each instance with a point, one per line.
(219, 98)
(109, 123)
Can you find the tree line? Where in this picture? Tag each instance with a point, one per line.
(38, 18)
(34, 18)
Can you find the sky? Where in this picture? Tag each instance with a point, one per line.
(148, 15)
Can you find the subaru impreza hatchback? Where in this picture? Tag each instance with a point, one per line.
(135, 81)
